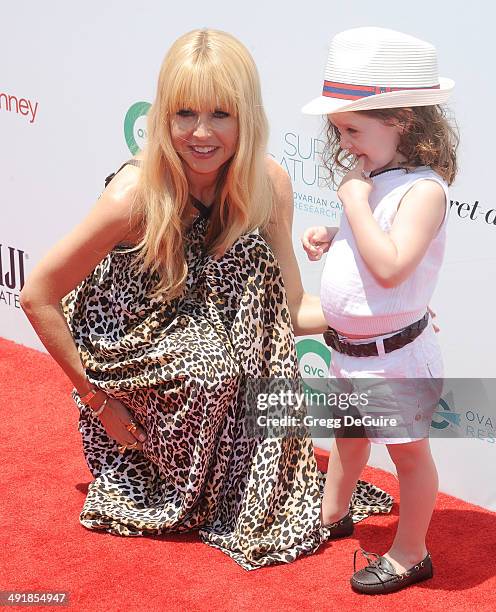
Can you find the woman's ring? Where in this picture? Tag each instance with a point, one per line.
(131, 426)
(364, 174)
(124, 447)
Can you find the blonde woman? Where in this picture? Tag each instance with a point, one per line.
(166, 299)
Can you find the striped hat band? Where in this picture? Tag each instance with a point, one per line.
(347, 91)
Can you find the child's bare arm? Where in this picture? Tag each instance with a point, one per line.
(392, 257)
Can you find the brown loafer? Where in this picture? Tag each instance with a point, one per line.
(380, 577)
(340, 529)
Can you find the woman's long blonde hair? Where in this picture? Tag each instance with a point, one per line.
(204, 69)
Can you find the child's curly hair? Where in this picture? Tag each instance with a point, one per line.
(430, 138)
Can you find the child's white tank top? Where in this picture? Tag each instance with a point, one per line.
(352, 300)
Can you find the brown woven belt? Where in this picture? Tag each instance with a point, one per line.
(399, 340)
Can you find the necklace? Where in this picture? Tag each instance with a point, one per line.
(200, 207)
(202, 211)
(373, 173)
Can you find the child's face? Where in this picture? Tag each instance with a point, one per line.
(370, 138)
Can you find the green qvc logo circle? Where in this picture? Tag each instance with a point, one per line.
(314, 360)
(135, 126)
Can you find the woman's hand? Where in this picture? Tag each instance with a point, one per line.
(317, 240)
(115, 418)
(355, 186)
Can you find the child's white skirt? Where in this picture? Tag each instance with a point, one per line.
(400, 390)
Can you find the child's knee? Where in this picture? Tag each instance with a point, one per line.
(409, 456)
(352, 445)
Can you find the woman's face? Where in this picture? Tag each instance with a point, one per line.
(204, 140)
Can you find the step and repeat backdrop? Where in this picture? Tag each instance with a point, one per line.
(75, 86)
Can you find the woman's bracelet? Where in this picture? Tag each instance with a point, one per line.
(89, 396)
(101, 408)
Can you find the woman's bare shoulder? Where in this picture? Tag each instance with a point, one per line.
(122, 187)
(118, 199)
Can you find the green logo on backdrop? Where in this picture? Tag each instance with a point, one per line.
(314, 359)
(135, 126)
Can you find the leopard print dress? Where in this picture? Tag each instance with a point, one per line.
(180, 367)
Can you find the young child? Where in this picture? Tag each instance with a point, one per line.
(390, 138)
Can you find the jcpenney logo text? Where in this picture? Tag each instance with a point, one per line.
(13, 104)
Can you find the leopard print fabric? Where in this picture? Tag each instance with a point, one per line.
(180, 367)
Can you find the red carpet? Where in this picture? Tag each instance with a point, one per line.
(44, 548)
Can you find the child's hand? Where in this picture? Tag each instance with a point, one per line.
(316, 241)
(355, 186)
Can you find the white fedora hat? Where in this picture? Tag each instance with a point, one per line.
(371, 68)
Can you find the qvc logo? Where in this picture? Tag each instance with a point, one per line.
(135, 126)
(314, 359)
(13, 104)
